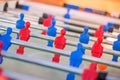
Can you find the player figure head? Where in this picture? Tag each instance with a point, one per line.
(21, 16)
(9, 30)
(118, 37)
(63, 32)
(93, 66)
(85, 29)
(27, 24)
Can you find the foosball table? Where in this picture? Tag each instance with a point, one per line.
(46, 42)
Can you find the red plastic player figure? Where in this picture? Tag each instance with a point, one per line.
(97, 48)
(99, 32)
(1, 44)
(24, 35)
(44, 32)
(1, 70)
(2, 76)
(47, 22)
(1, 57)
(91, 73)
(60, 43)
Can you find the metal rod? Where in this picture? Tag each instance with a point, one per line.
(79, 15)
(64, 53)
(16, 76)
(58, 31)
(34, 18)
(107, 51)
(60, 24)
(47, 64)
(41, 62)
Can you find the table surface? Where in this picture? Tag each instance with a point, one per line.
(105, 5)
(46, 73)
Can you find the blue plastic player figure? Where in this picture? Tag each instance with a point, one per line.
(110, 25)
(116, 46)
(20, 23)
(76, 56)
(51, 32)
(75, 60)
(84, 37)
(1, 59)
(25, 7)
(106, 28)
(88, 10)
(70, 76)
(6, 39)
(67, 16)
